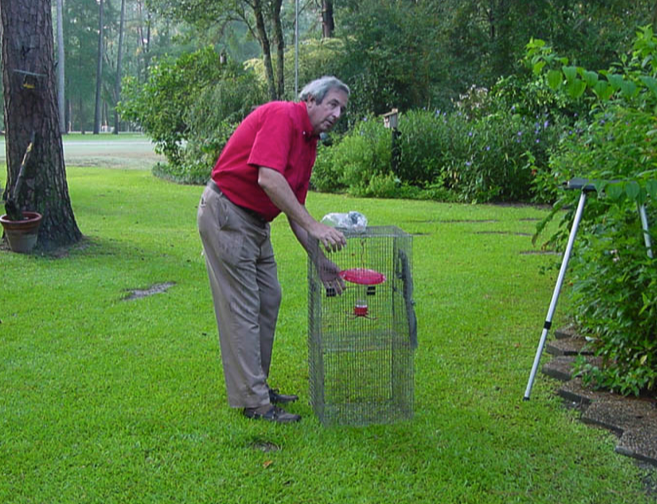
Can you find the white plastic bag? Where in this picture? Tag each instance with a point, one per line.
(353, 221)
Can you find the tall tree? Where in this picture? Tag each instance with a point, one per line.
(262, 17)
(144, 38)
(31, 110)
(328, 24)
(80, 46)
(117, 83)
(61, 82)
(99, 70)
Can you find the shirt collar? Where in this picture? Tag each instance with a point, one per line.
(306, 126)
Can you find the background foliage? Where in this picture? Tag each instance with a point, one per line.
(486, 116)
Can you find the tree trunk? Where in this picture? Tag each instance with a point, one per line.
(328, 25)
(61, 96)
(280, 49)
(99, 69)
(31, 106)
(266, 49)
(117, 84)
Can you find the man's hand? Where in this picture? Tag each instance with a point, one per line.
(280, 193)
(332, 239)
(329, 274)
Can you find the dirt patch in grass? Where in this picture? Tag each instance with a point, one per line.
(152, 290)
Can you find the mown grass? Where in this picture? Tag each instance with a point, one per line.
(104, 400)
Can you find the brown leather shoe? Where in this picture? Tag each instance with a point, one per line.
(273, 414)
(276, 398)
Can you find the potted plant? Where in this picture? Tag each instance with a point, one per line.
(21, 228)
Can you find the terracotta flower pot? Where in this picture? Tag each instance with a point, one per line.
(22, 234)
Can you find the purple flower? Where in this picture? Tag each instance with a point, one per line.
(488, 147)
(468, 163)
(470, 133)
(546, 124)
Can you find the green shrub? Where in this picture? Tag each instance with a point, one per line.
(211, 120)
(491, 157)
(424, 143)
(614, 281)
(446, 156)
(198, 157)
(359, 162)
(159, 106)
(615, 302)
(326, 174)
(189, 107)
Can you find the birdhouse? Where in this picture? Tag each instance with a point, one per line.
(390, 120)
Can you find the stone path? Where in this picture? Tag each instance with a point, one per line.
(633, 419)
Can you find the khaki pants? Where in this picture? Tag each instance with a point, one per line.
(246, 294)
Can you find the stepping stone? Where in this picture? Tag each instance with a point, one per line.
(566, 332)
(560, 367)
(620, 416)
(569, 346)
(574, 391)
(640, 442)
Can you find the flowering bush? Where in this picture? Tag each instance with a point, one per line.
(448, 156)
(488, 158)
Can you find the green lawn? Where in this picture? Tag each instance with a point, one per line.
(105, 400)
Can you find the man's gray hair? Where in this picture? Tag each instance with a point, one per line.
(319, 87)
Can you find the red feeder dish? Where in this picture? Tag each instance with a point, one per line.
(363, 276)
(360, 310)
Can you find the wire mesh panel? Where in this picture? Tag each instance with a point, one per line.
(361, 343)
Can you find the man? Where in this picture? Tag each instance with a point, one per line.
(264, 170)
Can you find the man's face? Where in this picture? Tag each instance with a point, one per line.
(323, 116)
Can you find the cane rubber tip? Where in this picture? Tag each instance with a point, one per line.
(525, 398)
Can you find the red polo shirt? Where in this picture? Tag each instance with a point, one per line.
(276, 135)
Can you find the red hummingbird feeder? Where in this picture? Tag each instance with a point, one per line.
(367, 277)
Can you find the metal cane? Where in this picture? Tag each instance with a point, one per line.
(572, 184)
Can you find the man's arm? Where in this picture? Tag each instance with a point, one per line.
(329, 272)
(280, 193)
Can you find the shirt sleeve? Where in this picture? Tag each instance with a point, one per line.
(273, 140)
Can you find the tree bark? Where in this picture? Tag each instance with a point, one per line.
(144, 40)
(31, 106)
(266, 49)
(117, 84)
(99, 69)
(328, 24)
(280, 48)
(61, 96)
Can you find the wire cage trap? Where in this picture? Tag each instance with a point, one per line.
(362, 342)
